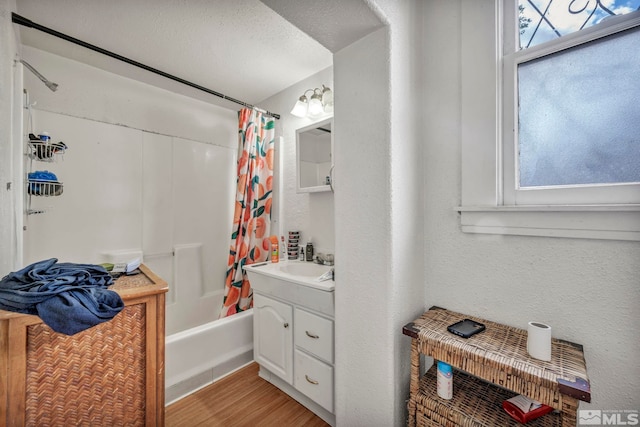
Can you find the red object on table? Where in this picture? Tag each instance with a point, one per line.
(523, 417)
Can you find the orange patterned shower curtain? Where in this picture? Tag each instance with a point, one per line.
(252, 215)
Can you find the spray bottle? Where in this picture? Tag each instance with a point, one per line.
(445, 380)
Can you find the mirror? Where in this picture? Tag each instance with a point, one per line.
(313, 157)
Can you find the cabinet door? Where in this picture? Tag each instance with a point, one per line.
(273, 336)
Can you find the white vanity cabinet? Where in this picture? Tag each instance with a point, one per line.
(293, 339)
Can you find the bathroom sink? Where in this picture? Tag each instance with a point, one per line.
(307, 269)
(295, 282)
(298, 272)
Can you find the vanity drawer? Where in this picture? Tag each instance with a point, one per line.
(314, 379)
(314, 334)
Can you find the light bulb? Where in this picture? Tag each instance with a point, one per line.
(315, 104)
(300, 109)
(327, 99)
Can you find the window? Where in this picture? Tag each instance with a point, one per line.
(572, 120)
(558, 79)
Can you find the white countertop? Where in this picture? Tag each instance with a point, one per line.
(299, 272)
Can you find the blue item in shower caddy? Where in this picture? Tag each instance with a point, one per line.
(43, 176)
(44, 183)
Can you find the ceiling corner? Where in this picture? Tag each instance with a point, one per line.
(335, 24)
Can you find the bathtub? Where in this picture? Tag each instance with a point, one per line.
(200, 356)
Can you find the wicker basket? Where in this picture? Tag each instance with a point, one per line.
(475, 403)
(95, 378)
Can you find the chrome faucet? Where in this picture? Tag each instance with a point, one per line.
(324, 259)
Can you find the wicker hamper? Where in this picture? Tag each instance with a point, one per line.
(109, 375)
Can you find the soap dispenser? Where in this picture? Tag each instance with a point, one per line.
(309, 251)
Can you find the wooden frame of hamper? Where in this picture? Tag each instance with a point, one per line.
(110, 374)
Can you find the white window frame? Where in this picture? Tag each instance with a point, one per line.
(512, 57)
(487, 141)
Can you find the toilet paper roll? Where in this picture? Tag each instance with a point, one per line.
(539, 341)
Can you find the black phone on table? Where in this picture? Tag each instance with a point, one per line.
(466, 328)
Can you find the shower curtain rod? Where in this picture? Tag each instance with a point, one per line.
(21, 20)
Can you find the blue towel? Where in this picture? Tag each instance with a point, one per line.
(68, 297)
(43, 176)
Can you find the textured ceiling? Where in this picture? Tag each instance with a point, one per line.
(333, 23)
(240, 48)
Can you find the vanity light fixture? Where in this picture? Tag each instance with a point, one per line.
(320, 101)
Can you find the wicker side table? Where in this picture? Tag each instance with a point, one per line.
(496, 356)
(109, 375)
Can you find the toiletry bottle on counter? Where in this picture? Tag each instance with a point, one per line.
(301, 257)
(274, 249)
(309, 251)
(283, 248)
(445, 380)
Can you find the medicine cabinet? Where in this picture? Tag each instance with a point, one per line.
(314, 144)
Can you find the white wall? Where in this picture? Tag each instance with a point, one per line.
(364, 349)
(378, 213)
(379, 284)
(89, 92)
(587, 290)
(147, 171)
(10, 152)
(310, 213)
(379, 204)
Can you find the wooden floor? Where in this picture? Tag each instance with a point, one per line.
(240, 399)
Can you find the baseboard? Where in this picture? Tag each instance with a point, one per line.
(191, 385)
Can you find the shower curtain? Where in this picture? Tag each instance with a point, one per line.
(252, 215)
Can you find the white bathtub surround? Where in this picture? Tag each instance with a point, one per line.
(199, 356)
(123, 255)
(145, 172)
(148, 193)
(192, 300)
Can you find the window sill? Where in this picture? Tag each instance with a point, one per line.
(608, 222)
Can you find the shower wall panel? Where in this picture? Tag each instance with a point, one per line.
(128, 192)
(100, 208)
